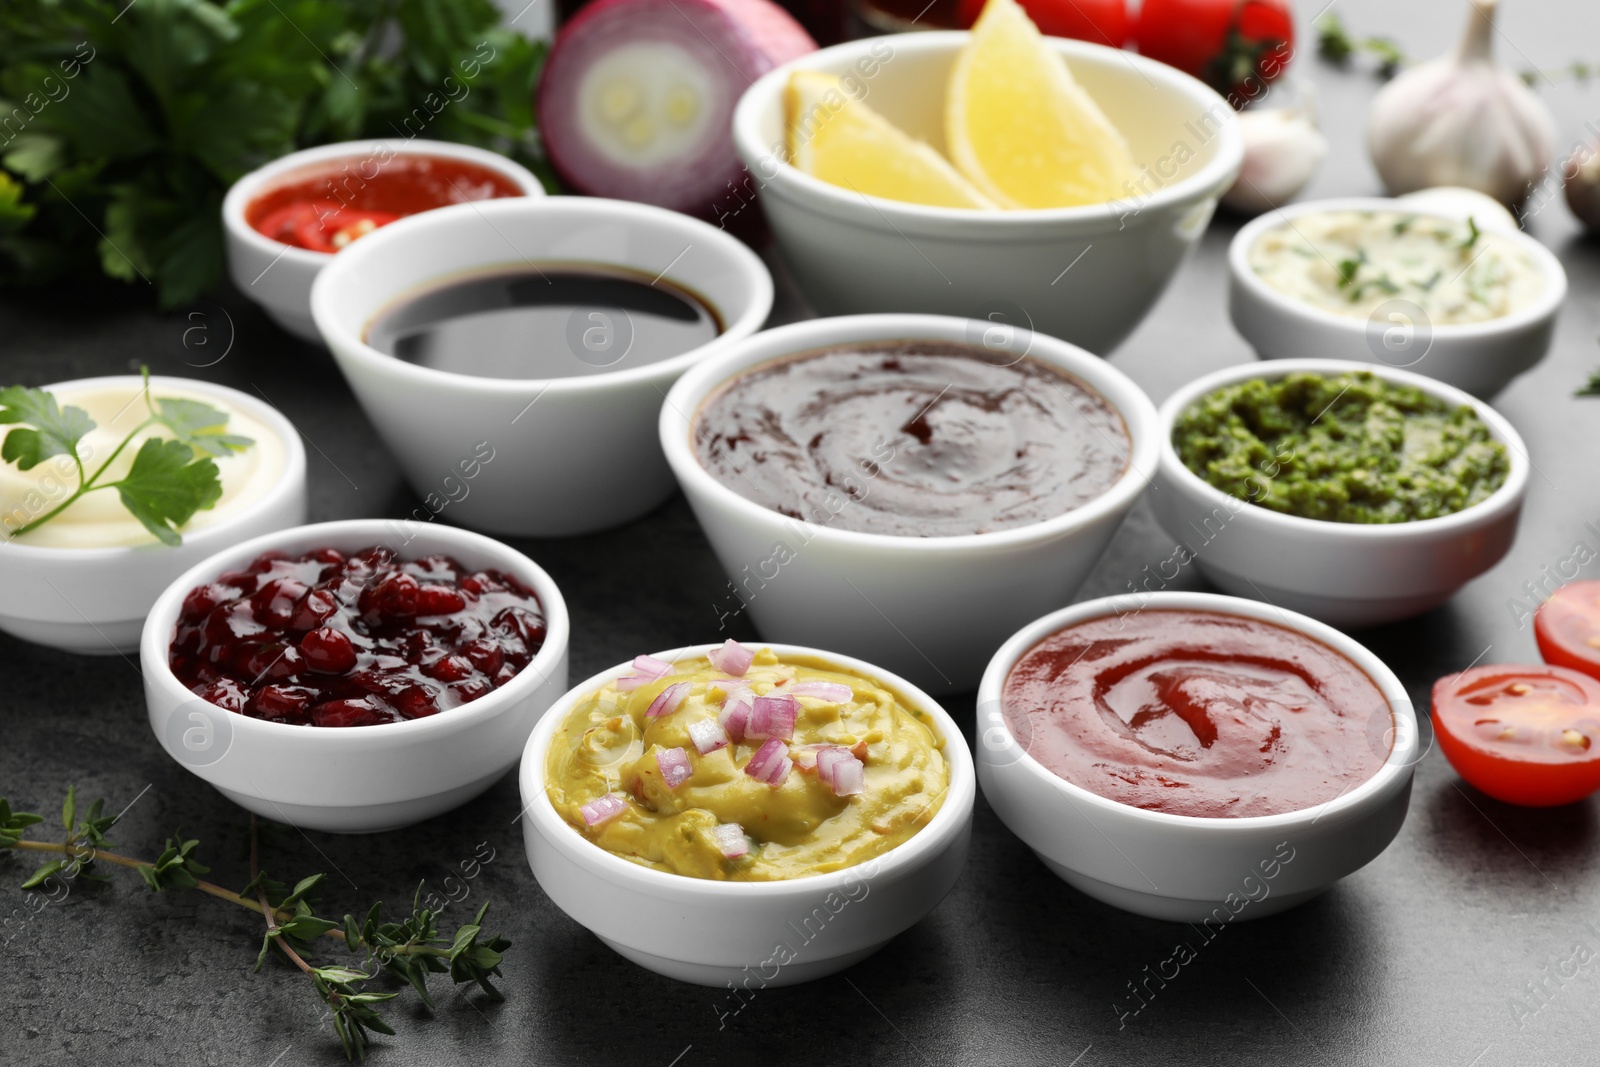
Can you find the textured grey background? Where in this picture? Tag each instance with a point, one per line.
(1413, 960)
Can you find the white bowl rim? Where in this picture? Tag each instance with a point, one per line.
(1403, 753)
(241, 192)
(1548, 303)
(696, 233)
(1132, 405)
(155, 641)
(954, 811)
(292, 480)
(1496, 504)
(1217, 174)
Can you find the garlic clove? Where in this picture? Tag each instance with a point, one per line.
(1283, 150)
(1582, 185)
(1462, 119)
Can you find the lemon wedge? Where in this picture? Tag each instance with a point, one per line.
(1020, 128)
(843, 141)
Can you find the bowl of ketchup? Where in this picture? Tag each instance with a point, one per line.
(286, 220)
(1195, 757)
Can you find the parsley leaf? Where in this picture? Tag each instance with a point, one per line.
(52, 430)
(1347, 271)
(166, 485)
(199, 425)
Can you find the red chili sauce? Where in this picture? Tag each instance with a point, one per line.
(1198, 713)
(328, 207)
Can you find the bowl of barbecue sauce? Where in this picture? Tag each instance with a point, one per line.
(513, 353)
(1195, 757)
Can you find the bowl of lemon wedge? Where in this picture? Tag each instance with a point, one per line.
(1025, 182)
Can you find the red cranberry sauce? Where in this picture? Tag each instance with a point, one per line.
(329, 640)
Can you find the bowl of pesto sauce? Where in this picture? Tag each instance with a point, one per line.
(1435, 287)
(1355, 494)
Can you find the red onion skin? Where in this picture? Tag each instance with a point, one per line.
(755, 36)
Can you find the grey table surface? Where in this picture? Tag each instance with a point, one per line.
(1430, 955)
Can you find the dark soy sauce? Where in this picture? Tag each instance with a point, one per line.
(553, 321)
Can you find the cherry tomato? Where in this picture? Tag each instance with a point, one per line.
(1101, 21)
(321, 225)
(1523, 734)
(1235, 46)
(1567, 628)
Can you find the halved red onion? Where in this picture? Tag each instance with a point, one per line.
(603, 809)
(675, 766)
(735, 714)
(772, 716)
(636, 99)
(731, 840)
(667, 701)
(771, 763)
(840, 771)
(707, 735)
(732, 658)
(832, 692)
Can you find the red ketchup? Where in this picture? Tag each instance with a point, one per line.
(325, 209)
(326, 639)
(1198, 713)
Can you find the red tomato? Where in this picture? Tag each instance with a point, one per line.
(1235, 46)
(1567, 628)
(1101, 21)
(1525, 735)
(321, 225)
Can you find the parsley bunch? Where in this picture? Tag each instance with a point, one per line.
(122, 125)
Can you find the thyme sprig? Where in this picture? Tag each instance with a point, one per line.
(408, 950)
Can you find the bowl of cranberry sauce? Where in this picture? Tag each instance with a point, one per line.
(354, 676)
(329, 639)
(1195, 757)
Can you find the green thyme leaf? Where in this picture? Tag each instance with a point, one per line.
(1473, 233)
(38, 877)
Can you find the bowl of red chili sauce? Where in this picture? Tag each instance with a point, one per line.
(1195, 757)
(285, 220)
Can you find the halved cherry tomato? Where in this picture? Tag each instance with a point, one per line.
(1567, 628)
(1101, 21)
(321, 225)
(1523, 734)
(1222, 42)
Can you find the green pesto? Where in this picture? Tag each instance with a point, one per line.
(1342, 448)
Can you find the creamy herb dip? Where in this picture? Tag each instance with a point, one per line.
(1352, 262)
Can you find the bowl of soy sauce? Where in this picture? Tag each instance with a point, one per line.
(513, 354)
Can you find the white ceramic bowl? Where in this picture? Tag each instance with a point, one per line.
(928, 608)
(1182, 867)
(1347, 574)
(570, 455)
(1480, 357)
(279, 276)
(360, 779)
(1087, 274)
(725, 933)
(94, 600)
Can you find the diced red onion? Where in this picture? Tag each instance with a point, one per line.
(728, 685)
(772, 716)
(805, 758)
(840, 771)
(732, 658)
(731, 840)
(667, 701)
(771, 763)
(832, 692)
(707, 735)
(646, 669)
(603, 809)
(675, 767)
(735, 714)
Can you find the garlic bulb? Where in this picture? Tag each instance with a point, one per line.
(1282, 151)
(1582, 174)
(1462, 119)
